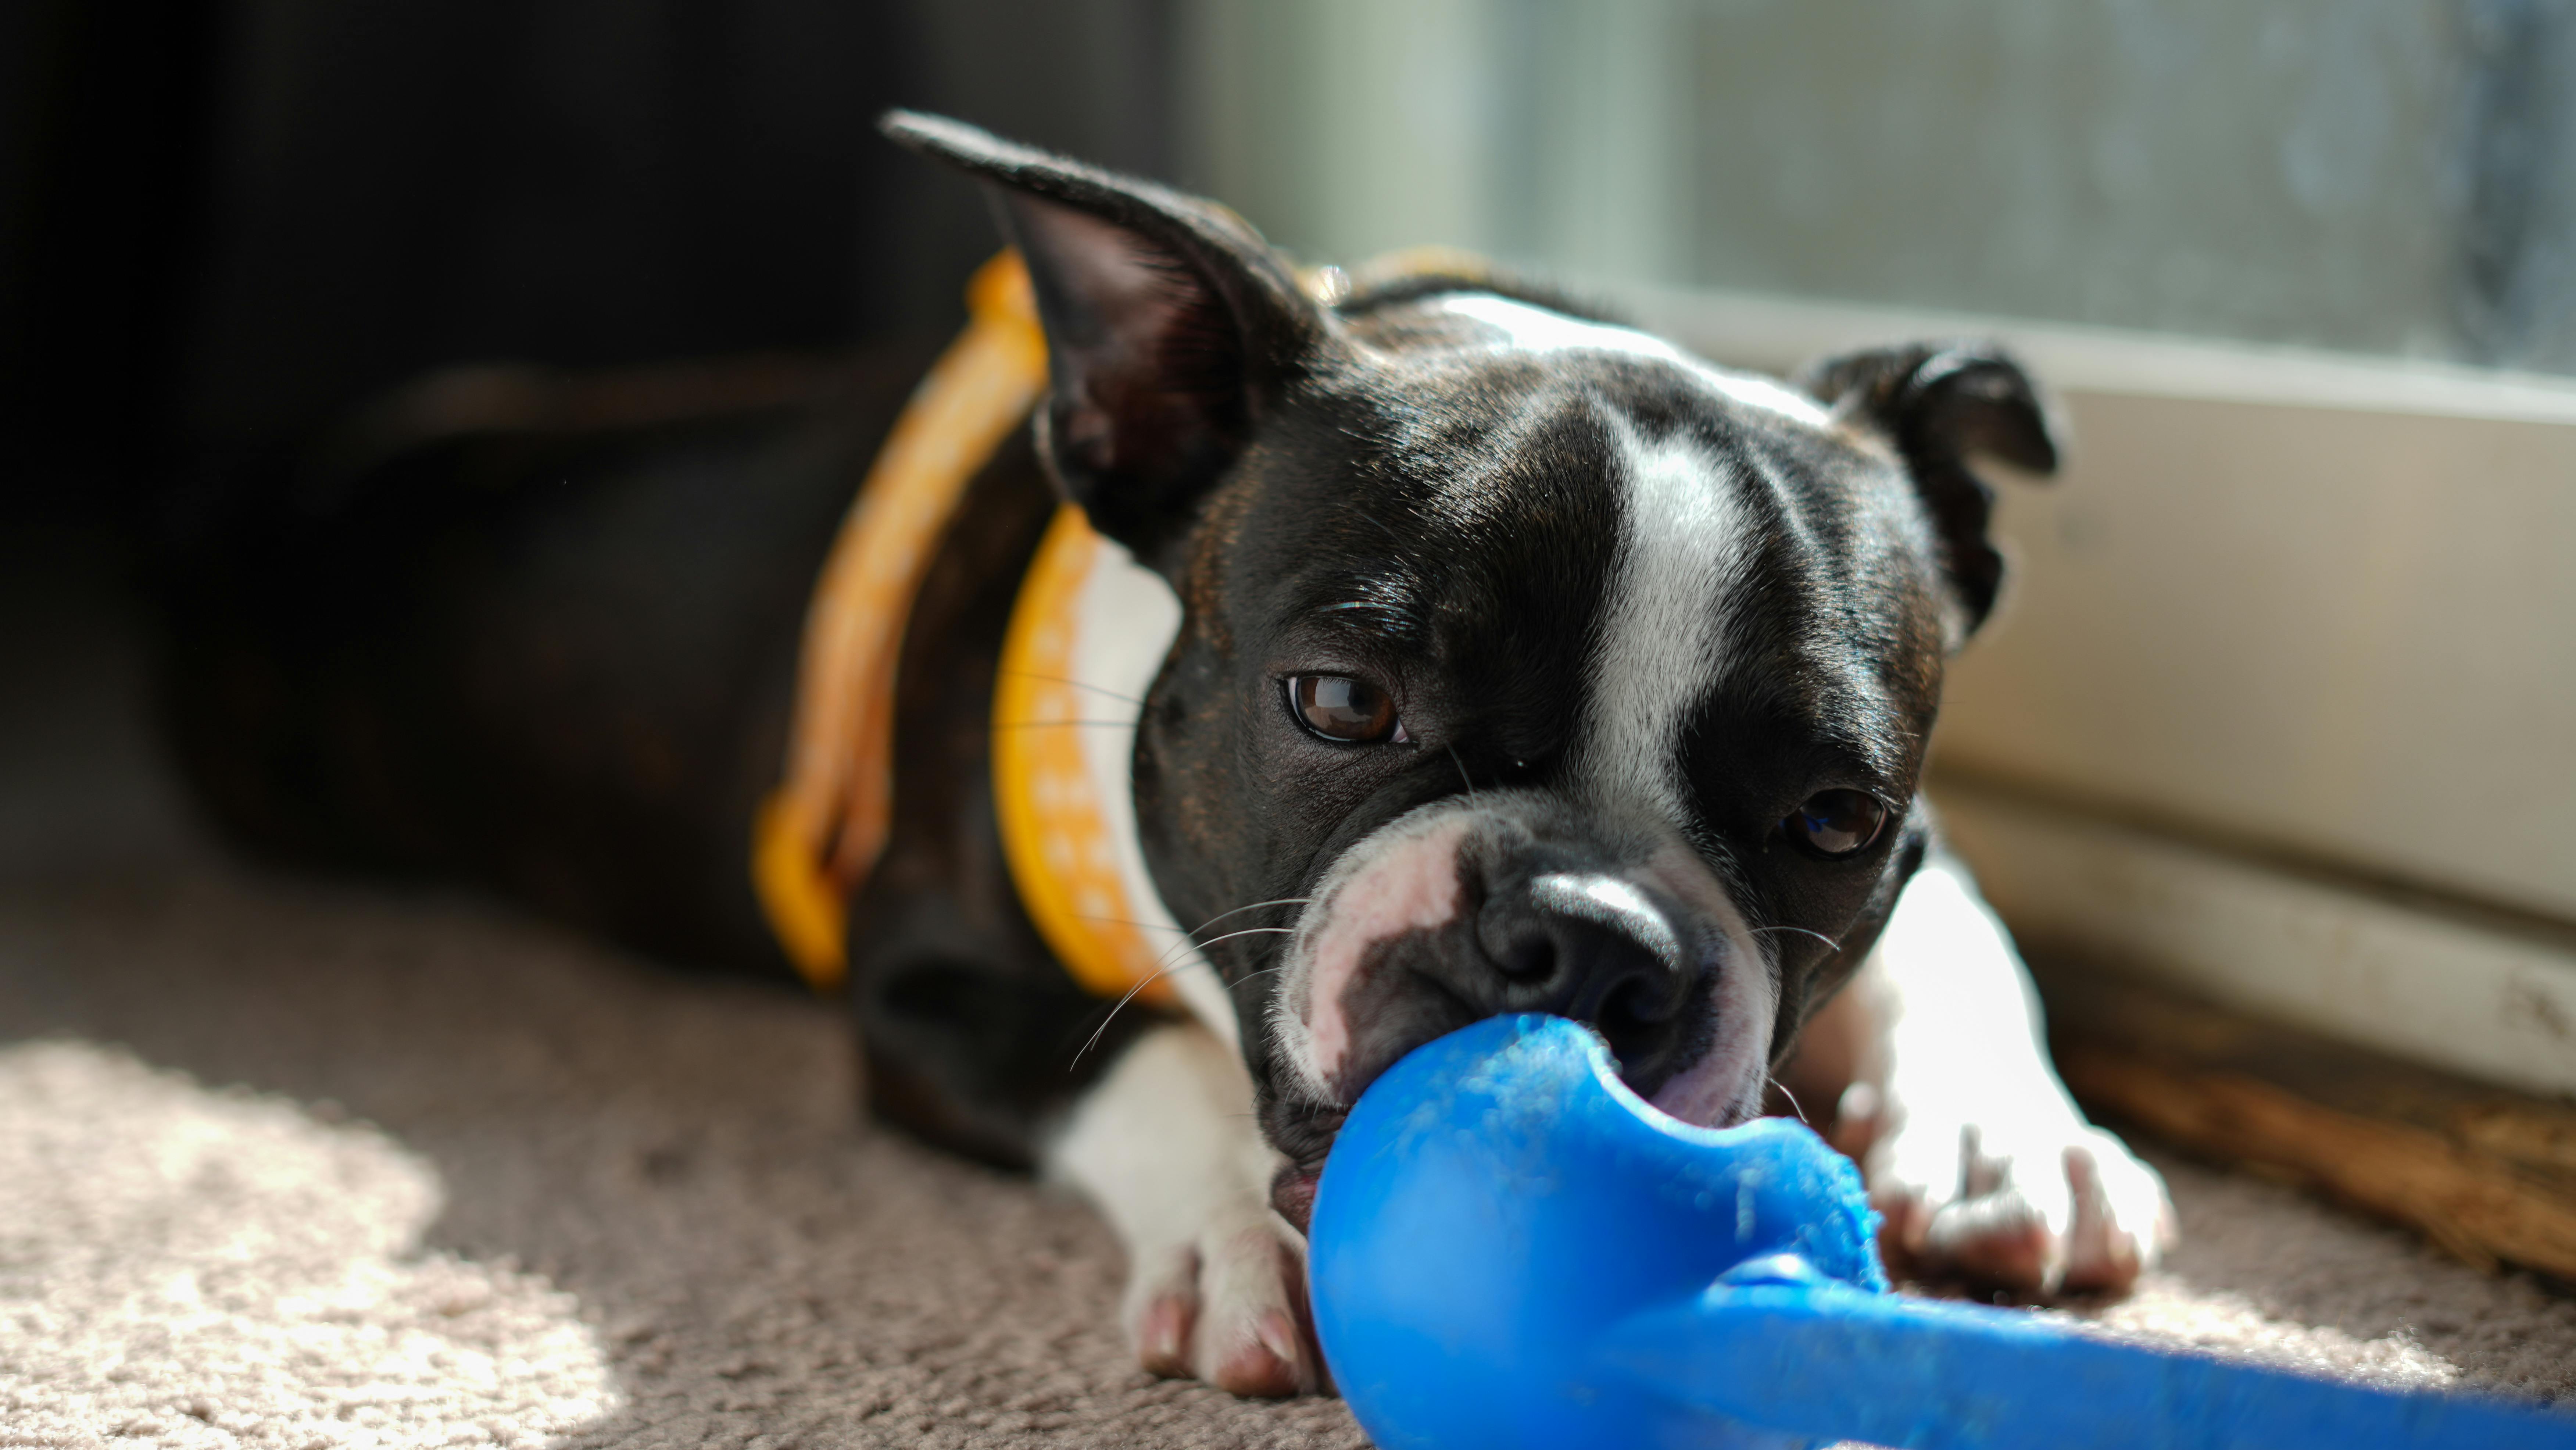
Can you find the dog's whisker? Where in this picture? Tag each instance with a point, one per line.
(1255, 906)
(1190, 942)
(1229, 936)
(1177, 931)
(1121, 1004)
(1800, 930)
(1117, 1007)
(1164, 971)
(1463, 777)
(1079, 685)
(1794, 1105)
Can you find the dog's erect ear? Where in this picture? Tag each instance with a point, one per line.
(1941, 404)
(1170, 324)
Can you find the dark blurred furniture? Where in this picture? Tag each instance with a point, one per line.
(477, 384)
(225, 223)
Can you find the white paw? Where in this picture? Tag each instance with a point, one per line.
(1228, 1306)
(2040, 1204)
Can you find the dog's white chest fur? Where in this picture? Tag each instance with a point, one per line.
(1125, 620)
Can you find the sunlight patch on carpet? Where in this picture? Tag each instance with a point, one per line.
(2170, 1308)
(193, 1268)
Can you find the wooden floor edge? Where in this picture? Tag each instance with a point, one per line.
(2476, 1206)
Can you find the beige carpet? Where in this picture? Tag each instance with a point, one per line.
(287, 1163)
(468, 1182)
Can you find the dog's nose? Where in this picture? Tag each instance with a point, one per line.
(1593, 947)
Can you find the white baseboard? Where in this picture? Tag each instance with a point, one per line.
(2492, 1001)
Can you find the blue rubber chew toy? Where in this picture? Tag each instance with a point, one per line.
(1509, 1248)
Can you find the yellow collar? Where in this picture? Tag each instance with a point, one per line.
(820, 833)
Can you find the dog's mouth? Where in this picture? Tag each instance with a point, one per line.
(1317, 1128)
(1292, 1193)
(1292, 1188)
(1453, 914)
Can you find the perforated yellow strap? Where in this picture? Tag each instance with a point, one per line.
(1055, 826)
(820, 833)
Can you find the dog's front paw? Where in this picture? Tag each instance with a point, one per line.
(2041, 1206)
(1228, 1306)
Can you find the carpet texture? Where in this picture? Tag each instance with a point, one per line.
(284, 1164)
(291, 1163)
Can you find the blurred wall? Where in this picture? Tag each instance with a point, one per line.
(2381, 176)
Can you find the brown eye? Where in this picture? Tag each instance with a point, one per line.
(1836, 823)
(1345, 710)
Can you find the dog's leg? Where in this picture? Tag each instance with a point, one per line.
(1165, 1144)
(1983, 1165)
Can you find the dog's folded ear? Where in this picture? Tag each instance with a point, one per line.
(1170, 324)
(1940, 405)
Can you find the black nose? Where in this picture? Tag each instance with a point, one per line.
(1597, 948)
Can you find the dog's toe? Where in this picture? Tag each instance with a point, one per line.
(2000, 1239)
(1228, 1308)
(1268, 1361)
(2055, 1211)
(1164, 1328)
(2120, 1222)
(1252, 1337)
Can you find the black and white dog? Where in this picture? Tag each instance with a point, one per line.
(1506, 659)
(1530, 664)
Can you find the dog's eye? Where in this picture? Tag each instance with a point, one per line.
(1836, 823)
(1345, 710)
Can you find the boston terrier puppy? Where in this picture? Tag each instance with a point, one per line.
(1523, 662)
(1478, 654)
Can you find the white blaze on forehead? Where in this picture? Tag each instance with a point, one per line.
(1537, 329)
(1685, 540)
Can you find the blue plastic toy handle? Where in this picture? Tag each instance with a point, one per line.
(1510, 1249)
(1828, 1363)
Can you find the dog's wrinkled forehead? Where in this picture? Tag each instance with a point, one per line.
(1573, 531)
